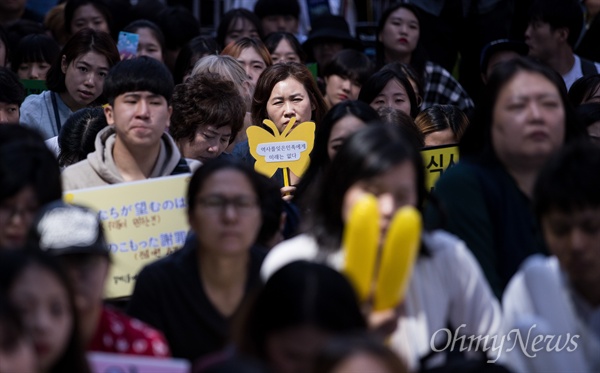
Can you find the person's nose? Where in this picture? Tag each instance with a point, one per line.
(528, 32)
(3, 117)
(577, 240)
(143, 109)
(535, 112)
(289, 109)
(34, 73)
(346, 85)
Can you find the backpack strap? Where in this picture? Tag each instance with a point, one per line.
(588, 67)
(181, 168)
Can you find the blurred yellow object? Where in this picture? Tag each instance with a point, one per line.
(360, 242)
(398, 257)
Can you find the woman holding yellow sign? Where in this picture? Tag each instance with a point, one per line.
(365, 221)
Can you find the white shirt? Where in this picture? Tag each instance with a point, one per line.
(576, 72)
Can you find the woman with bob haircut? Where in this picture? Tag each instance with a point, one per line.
(345, 74)
(524, 118)
(392, 89)
(446, 287)
(33, 56)
(75, 81)
(297, 310)
(251, 54)
(442, 124)
(206, 282)
(236, 24)
(284, 47)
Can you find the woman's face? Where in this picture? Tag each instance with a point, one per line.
(148, 44)
(284, 52)
(528, 121)
(16, 215)
(227, 215)
(84, 78)
(87, 16)
(400, 33)
(209, 142)
(395, 188)
(341, 130)
(252, 63)
(392, 95)
(293, 349)
(338, 89)
(289, 99)
(240, 28)
(43, 303)
(33, 70)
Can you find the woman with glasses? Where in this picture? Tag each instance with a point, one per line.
(192, 295)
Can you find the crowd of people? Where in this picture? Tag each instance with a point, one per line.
(507, 271)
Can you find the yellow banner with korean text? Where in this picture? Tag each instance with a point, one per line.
(143, 221)
(437, 159)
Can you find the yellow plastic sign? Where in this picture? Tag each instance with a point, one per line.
(143, 221)
(290, 149)
(380, 274)
(436, 161)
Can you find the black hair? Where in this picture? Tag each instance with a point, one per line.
(230, 18)
(78, 135)
(134, 26)
(195, 49)
(4, 40)
(139, 74)
(72, 5)
(178, 25)
(377, 82)
(440, 117)
(559, 14)
(584, 88)
(477, 139)
(340, 348)
(418, 58)
(319, 157)
(567, 181)
(12, 330)
(300, 294)
(273, 39)
(259, 186)
(399, 118)
(265, 8)
(34, 48)
(21, 28)
(11, 88)
(272, 208)
(367, 153)
(25, 160)
(12, 265)
(350, 64)
(411, 74)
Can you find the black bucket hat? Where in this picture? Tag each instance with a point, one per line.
(331, 28)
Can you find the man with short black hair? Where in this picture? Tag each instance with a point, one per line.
(278, 15)
(553, 30)
(135, 145)
(12, 95)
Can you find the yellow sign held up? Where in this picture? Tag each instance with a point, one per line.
(143, 221)
(290, 149)
(437, 160)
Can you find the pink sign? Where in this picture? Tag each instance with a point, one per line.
(102, 362)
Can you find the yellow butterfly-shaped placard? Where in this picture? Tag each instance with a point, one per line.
(290, 149)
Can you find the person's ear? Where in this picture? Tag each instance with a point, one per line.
(109, 114)
(64, 64)
(562, 33)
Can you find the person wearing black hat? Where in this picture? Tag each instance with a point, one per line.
(329, 35)
(74, 235)
(278, 16)
(499, 51)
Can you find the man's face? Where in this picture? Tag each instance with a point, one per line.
(9, 113)
(280, 22)
(139, 118)
(574, 237)
(543, 42)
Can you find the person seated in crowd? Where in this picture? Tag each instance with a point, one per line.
(486, 198)
(345, 74)
(559, 296)
(499, 51)
(77, 137)
(86, 258)
(193, 294)
(30, 178)
(284, 47)
(208, 113)
(390, 88)
(12, 95)
(236, 24)
(92, 14)
(553, 31)
(135, 146)
(251, 54)
(278, 16)
(33, 56)
(442, 124)
(151, 39)
(193, 51)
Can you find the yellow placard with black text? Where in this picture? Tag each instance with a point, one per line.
(437, 159)
(143, 221)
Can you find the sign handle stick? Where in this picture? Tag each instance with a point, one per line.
(286, 176)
